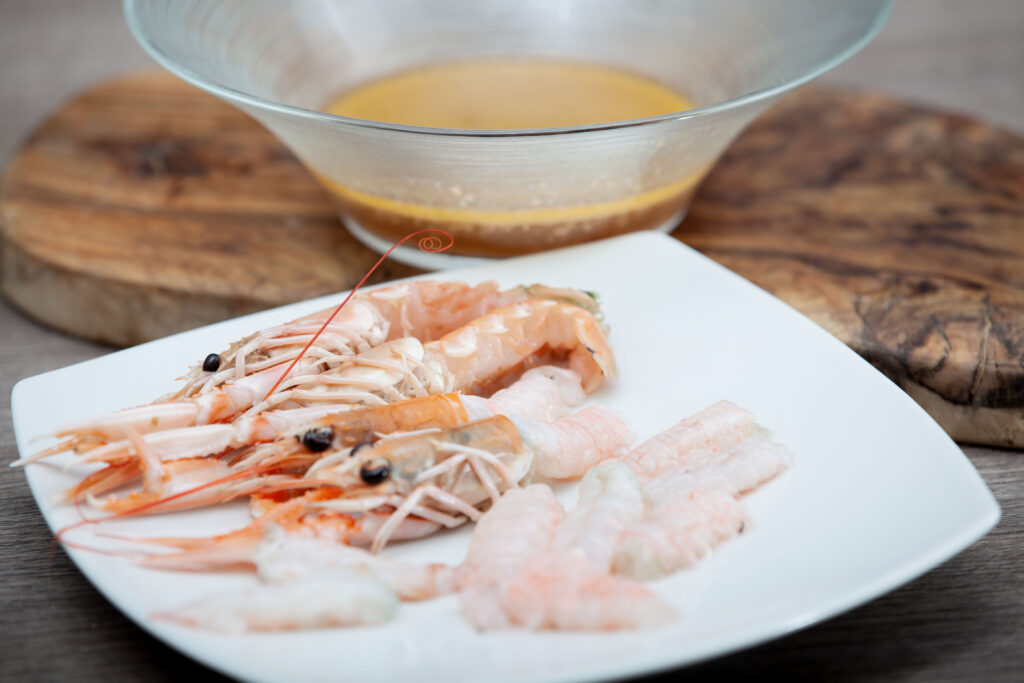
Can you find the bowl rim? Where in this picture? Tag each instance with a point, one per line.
(244, 99)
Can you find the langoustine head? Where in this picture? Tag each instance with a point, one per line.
(445, 476)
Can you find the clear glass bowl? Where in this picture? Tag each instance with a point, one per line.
(503, 192)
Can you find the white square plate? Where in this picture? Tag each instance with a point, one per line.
(878, 494)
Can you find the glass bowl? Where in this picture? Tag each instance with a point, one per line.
(503, 192)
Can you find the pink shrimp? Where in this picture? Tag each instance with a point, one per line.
(247, 372)
(477, 354)
(693, 507)
(736, 470)
(478, 358)
(512, 578)
(291, 455)
(282, 556)
(398, 488)
(574, 444)
(610, 500)
(546, 393)
(568, 593)
(716, 427)
(311, 582)
(424, 309)
(331, 598)
(678, 534)
(543, 392)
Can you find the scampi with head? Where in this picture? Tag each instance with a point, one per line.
(445, 475)
(277, 447)
(473, 339)
(396, 488)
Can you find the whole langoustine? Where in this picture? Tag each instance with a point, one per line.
(397, 486)
(424, 309)
(477, 358)
(512, 577)
(339, 367)
(190, 481)
(490, 347)
(300, 439)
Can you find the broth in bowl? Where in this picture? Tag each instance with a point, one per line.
(508, 95)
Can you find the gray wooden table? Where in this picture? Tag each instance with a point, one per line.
(964, 621)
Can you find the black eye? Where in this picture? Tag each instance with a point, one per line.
(374, 473)
(212, 363)
(318, 439)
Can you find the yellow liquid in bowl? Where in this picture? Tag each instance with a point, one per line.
(511, 94)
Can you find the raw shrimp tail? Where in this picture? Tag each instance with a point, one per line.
(331, 598)
(678, 534)
(718, 426)
(569, 447)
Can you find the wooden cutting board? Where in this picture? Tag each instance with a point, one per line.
(144, 207)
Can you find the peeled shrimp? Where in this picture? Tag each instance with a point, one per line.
(736, 470)
(518, 527)
(312, 582)
(282, 556)
(678, 534)
(511, 577)
(574, 444)
(569, 593)
(693, 507)
(546, 393)
(336, 597)
(718, 426)
(610, 500)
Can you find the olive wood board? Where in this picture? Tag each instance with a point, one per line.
(144, 206)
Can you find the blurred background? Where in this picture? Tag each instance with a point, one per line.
(962, 56)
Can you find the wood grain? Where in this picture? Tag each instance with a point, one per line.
(897, 228)
(144, 207)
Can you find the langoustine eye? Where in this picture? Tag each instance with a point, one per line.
(318, 440)
(374, 472)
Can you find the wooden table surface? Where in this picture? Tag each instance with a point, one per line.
(964, 621)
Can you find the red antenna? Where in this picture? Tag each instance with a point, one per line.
(428, 243)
